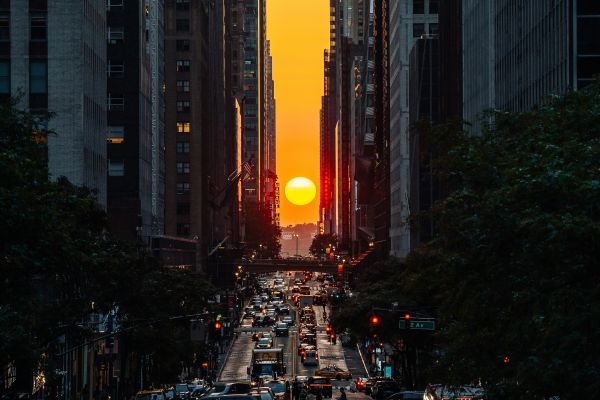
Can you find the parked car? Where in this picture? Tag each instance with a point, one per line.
(334, 372)
(157, 394)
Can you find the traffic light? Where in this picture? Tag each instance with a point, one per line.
(375, 320)
(506, 360)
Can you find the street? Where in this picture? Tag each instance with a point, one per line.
(347, 359)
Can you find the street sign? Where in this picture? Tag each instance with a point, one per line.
(418, 324)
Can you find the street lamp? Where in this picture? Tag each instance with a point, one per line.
(296, 236)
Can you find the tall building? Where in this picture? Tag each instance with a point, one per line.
(408, 21)
(54, 54)
(269, 147)
(451, 76)
(134, 132)
(516, 53)
(328, 124)
(253, 99)
(186, 120)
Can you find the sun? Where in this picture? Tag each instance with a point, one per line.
(300, 191)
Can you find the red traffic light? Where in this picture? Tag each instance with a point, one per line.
(375, 320)
(218, 325)
(407, 316)
(506, 360)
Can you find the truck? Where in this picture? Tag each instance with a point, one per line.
(267, 364)
(305, 300)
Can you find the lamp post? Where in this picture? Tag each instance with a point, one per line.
(296, 236)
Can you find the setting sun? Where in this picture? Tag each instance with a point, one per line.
(300, 191)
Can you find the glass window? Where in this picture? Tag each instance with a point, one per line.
(182, 45)
(4, 27)
(183, 187)
(418, 30)
(183, 5)
(116, 168)
(183, 167)
(418, 6)
(116, 134)
(183, 106)
(113, 3)
(182, 25)
(115, 69)
(183, 127)
(183, 65)
(183, 86)
(115, 102)
(434, 29)
(39, 27)
(115, 34)
(38, 77)
(5, 77)
(183, 147)
(433, 6)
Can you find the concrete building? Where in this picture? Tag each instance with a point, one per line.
(186, 120)
(54, 54)
(130, 147)
(408, 21)
(517, 53)
(253, 101)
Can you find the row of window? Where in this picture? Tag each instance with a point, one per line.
(116, 69)
(38, 26)
(38, 76)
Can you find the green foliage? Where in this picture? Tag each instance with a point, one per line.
(58, 261)
(321, 242)
(263, 236)
(513, 269)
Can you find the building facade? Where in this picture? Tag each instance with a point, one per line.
(516, 54)
(408, 21)
(53, 55)
(130, 119)
(186, 120)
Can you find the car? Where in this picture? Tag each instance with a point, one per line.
(262, 320)
(406, 395)
(220, 389)
(249, 313)
(232, 397)
(304, 347)
(288, 320)
(264, 343)
(267, 335)
(310, 357)
(198, 392)
(359, 384)
(334, 372)
(383, 389)
(157, 394)
(256, 336)
(281, 329)
(372, 381)
(316, 384)
(279, 388)
(284, 310)
(466, 392)
(182, 391)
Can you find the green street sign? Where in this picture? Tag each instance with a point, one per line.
(418, 324)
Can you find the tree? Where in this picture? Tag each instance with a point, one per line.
(263, 236)
(321, 242)
(59, 262)
(513, 268)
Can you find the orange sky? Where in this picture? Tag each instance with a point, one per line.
(299, 32)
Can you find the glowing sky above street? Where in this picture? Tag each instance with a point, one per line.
(299, 33)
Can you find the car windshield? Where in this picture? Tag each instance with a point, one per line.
(277, 387)
(218, 388)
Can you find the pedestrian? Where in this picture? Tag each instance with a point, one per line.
(319, 395)
(342, 394)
